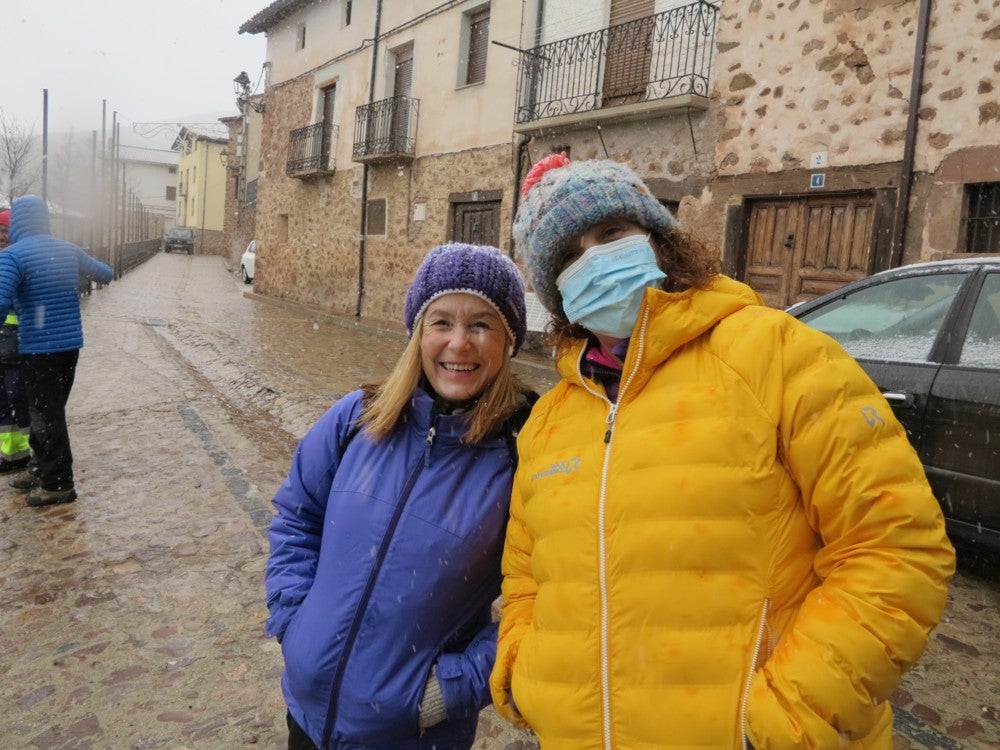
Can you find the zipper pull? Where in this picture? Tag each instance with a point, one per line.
(429, 442)
(611, 422)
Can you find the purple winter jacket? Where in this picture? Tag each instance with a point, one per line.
(385, 561)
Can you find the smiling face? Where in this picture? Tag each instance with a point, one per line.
(462, 345)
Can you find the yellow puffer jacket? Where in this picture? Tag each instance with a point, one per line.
(743, 546)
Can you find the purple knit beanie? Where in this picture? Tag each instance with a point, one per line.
(561, 199)
(481, 270)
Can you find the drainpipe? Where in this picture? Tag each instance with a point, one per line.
(204, 195)
(522, 147)
(901, 218)
(364, 168)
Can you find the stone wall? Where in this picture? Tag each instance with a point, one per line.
(308, 230)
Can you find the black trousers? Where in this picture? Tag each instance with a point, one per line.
(50, 379)
(297, 738)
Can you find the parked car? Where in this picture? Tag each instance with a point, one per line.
(179, 238)
(247, 262)
(929, 336)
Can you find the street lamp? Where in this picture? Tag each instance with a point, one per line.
(224, 157)
(241, 85)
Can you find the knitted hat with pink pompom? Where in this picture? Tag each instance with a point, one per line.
(562, 198)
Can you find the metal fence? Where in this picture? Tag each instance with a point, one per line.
(386, 127)
(312, 150)
(656, 57)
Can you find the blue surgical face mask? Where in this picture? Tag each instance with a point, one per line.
(602, 290)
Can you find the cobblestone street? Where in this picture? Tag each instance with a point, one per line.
(133, 618)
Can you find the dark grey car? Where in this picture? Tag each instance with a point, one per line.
(929, 336)
(179, 238)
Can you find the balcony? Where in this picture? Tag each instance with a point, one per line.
(312, 151)
(386, 130)
(637, 69)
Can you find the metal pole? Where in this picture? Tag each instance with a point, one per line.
(45, 145)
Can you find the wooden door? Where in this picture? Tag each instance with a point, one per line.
(629, 52)
(477, 223)
(799, 249)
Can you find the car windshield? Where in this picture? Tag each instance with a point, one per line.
(183, 233)
(897, 320)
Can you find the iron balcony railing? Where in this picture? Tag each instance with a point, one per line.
(656, 57)
(312, 150)
(386, 129)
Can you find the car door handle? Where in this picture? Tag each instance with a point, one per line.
(898, 398)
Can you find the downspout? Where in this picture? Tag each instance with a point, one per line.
(522, 147)
(204, 196)
(364, 167)
(902, 216)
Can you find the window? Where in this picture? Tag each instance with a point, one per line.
(982, 342)
(897, 320)
(300, 37)
(171, 193)
(478, 43)
(171, 170)
(375, 217)
(983, 219)
(347, 13)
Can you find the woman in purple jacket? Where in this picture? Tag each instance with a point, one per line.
(385, 550)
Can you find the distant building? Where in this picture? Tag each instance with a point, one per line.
(201, 184)
(151, 174)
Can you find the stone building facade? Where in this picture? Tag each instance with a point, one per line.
(823, 140)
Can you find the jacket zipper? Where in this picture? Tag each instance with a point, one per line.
(352, 633)
(761, 626)
(601, 540)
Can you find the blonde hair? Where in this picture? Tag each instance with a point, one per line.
(384, 403)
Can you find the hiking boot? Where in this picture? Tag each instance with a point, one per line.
(24, 481)
(6, 467)
(39, 497)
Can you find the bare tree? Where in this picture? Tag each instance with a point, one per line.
(18, 172)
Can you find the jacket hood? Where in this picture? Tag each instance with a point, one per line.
(673, 319)
(28, 216)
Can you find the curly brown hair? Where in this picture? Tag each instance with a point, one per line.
(688, 261)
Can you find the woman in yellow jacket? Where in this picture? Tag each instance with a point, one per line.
(719, 535)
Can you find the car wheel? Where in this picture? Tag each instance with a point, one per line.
(243, 271)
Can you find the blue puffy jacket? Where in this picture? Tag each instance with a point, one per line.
(384, 561)
(40, 277)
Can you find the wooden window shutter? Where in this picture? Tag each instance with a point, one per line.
(479, 39)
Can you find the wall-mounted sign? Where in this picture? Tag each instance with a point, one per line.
(817, 180)
(818, 160)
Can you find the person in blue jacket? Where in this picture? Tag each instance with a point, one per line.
(15, 422)
(386, 545)
(40, 277)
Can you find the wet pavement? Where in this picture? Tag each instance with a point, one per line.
(133, 618)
